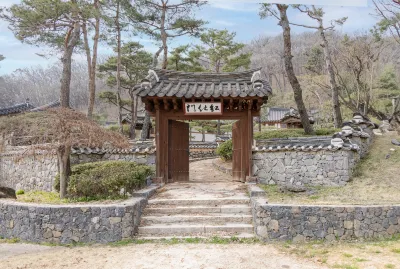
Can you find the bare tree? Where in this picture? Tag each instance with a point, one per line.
(318, 14)
(281, 15)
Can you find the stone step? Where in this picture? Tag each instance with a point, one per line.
(199, 210)
(214, 219)
(237, 235)
(203, 202)
(189, 229)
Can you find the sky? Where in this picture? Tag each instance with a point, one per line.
(240, 16)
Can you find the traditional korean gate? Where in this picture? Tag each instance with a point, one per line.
(178, 151)
(236, 152)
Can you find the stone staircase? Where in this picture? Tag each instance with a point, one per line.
(197, 217)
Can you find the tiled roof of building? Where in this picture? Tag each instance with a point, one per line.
(15, 109)
(168, 83)
(46, 106)
(275, 114)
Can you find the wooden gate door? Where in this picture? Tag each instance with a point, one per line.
(178, 152)
(236, 152)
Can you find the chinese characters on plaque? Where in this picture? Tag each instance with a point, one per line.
(200, 108)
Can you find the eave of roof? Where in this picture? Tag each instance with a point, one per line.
(168, 83)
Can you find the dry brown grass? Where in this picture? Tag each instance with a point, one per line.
(59, 126)
(376, 181)
(349, 255)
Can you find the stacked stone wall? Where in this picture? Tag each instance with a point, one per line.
(34, 172)
(201, 153)
(37, 171)
(327, 168)
(307, 222)
(64, 224)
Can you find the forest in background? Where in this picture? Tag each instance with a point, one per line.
(365, 64)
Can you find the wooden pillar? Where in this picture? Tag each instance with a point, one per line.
(159, 150)
(244, 145)
(249, 167)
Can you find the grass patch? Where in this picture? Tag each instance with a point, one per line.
(389, 265)
(360, 260)
(9, 240)
(345, 266)
(190, 240)
(396, 250)
(43, 197)
(347, 255)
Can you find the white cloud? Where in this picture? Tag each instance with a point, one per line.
(225, 23)
(242, 7)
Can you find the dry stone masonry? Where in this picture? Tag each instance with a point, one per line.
(66, 224)
(37, 170)
(307, 222)
(325, 161)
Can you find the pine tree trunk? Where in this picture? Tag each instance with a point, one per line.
(92, 70)
(298, 94)
(146, 127)
(118, 77)
(337, 115)
(71, 41)
(164, 39)
(132, 129)
(63, 155)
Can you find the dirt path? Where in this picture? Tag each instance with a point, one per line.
(204, 171)
(190, 256)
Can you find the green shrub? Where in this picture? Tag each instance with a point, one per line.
(19, 192)
(225, 150)
(105, 179)
(286, 133)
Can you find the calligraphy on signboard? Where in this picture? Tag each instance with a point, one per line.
(203, 108)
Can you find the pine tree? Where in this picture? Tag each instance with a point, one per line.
(280, 13)
(53, 23)
(163, 20)
(135, 63)
(219, 52)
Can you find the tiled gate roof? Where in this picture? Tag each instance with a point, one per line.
(168, 83)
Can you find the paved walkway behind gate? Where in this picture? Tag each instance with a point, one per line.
(205, 182)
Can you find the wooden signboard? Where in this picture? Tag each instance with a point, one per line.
(202, 108)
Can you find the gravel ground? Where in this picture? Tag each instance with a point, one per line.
(204, 256)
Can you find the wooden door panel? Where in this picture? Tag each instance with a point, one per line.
(236, 152)
(178, 152)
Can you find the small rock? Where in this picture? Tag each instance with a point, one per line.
(292, 188)
(7, 193)
(273, 225)
(395, 142)
(299, 239)
(114, 220)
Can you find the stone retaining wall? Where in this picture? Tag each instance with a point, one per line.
(327, 168)
(34, 172)
(37, 171)
(149, 159)
(200, 153)
(66, 224)
(308, 222)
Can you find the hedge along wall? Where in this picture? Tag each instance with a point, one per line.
(37, 171)
(72, 223)
(307, 222)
